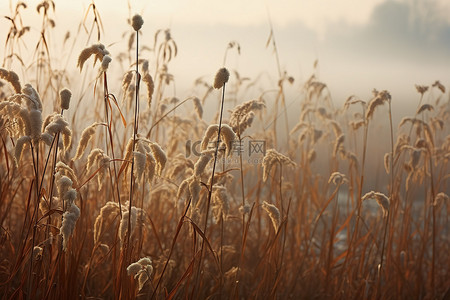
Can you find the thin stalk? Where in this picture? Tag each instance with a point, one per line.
(359, 203)
(33, 239)
(135, 130)
(208, 203)
(106, 95)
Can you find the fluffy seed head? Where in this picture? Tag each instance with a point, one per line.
(64, 169)
(148, 80)
(140, 161)
(379, 99)
(226, 133)
(220, 200)
(201, 163)
(137, 217)
(274, 214)
(105, 62)
(221, 78)
(134, 268)
(69, 221)
(60, 125)
(35, 124)
(337, 178)
(382, 200)
(198, 107)
(242, 115)
(86, 136)
(20, 143)
(160, 157)
(272, 157)
(64, 96)
(32, 98)
(137, 22)
(98, 50)
(12, 78)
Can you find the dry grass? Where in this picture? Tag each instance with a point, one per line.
(152, 204)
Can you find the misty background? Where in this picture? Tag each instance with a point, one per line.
(359, 45)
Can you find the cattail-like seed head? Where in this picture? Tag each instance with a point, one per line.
(63, 184)
(337, 178)
(209, 133)
(139, 164)
(195, 189)
(64, 169)
(242, 115)
(183, 188)
(35, 124)
(134, 268)
(148, 80)
(86, 136)
(60, 125)
(198, 107)
(221, 78)
(137, 22)
(32, 98)
(137, 215)
(201, 163)
(228, 136)
(105, 63)
(47, 138)
(98, 50)
(12, 78)
(421, 89)
(109, 211)
(69, 221)
(220, 200)
(424, 107)
(20, 143)
(382, 200)
(379, 99)
(160, 157)
(226, 133)
(272, 156)
(274, 214)
(126, 81)
(64, 96)
(142, 270)
(150, 166)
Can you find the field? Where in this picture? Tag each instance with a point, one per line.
(112, 187)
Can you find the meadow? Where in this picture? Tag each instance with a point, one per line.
(113, 187)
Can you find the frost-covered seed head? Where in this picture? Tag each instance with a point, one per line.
(64, 96)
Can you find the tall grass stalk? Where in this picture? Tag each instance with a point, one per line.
(211, 184)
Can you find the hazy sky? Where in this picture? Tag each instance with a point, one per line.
(360, 45)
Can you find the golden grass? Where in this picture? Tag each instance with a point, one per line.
(172, 207)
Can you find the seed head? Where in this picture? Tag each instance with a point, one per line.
(137, 22)
(274, 214)
(221, 78)
(64, 96)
